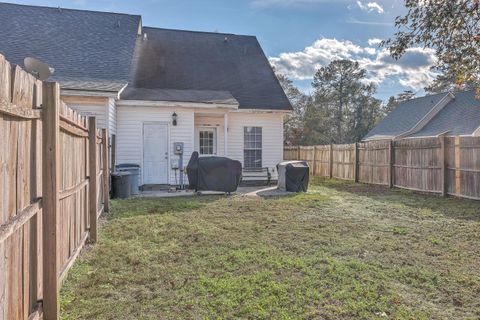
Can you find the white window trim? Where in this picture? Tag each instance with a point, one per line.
(244, 148)
(215, 140)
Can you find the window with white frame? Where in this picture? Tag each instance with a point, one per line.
(252, 149)
(207, 141)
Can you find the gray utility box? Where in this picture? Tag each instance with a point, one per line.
(293, 176)
(121, 188)
(134, 170)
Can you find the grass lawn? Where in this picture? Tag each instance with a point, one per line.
(342, 251)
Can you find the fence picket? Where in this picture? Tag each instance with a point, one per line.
(438, 165)
(44, 168)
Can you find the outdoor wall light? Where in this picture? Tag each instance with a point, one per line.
(174, 118)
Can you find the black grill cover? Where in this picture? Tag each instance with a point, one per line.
(293, 176)
(213, 173)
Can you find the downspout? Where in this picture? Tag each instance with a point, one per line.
(476, 133)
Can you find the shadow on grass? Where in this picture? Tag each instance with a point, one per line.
(155, 206)
(452, 207)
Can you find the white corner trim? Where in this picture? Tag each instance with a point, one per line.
(428, 116)
(225, 134)
(175, 104)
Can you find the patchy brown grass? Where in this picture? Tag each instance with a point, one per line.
(342, 251)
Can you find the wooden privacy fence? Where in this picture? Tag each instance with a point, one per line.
(444, 165)
(53, 186)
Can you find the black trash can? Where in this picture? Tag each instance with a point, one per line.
(121, 188)
(134, 170)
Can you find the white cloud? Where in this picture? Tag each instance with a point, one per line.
(374, 42)
(370, 6)
(411, 71)
(375, 6)
(370, 23)
(301, 65)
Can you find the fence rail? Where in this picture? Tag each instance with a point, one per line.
(50, 197)
(444, 165)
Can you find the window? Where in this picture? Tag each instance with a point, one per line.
(252, 149)
(207, 141)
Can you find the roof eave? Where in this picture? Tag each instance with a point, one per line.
(89, 93)
(176, 104)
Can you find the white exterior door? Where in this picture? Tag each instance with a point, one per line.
(155, 153)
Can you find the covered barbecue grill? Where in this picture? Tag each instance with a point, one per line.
(213, 173)
(293, 176)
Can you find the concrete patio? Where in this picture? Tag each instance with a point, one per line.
(250, 191)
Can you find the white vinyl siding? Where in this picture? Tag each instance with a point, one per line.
(272, 137)
(130, 121)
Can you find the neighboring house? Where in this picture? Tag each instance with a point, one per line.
(450, 114)
(153, 87)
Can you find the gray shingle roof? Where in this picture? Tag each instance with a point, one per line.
(89, 50)
(188, 60)
(461, 116)
(405, 116)
(102, 51)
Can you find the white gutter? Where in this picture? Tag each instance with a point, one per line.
(176, 104)
(262, 111)
(86, 93)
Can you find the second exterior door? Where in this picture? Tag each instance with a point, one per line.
(155, 153)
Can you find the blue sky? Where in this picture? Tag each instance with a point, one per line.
(297, 35)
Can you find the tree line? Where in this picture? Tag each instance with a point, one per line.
(342, 107)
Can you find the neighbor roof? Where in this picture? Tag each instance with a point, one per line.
(189, 60)
(89, 50)
(405, 116)
(460, 116)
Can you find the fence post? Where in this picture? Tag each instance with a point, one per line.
(391, 158)
(105, 171)
(355, 163)
(458, 168)
(50, 201)
(298, 153)
(92, 180)
(314, 161)
(443, 164)
(330, 160)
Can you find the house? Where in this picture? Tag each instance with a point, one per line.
(214, 93)
(450, 114)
